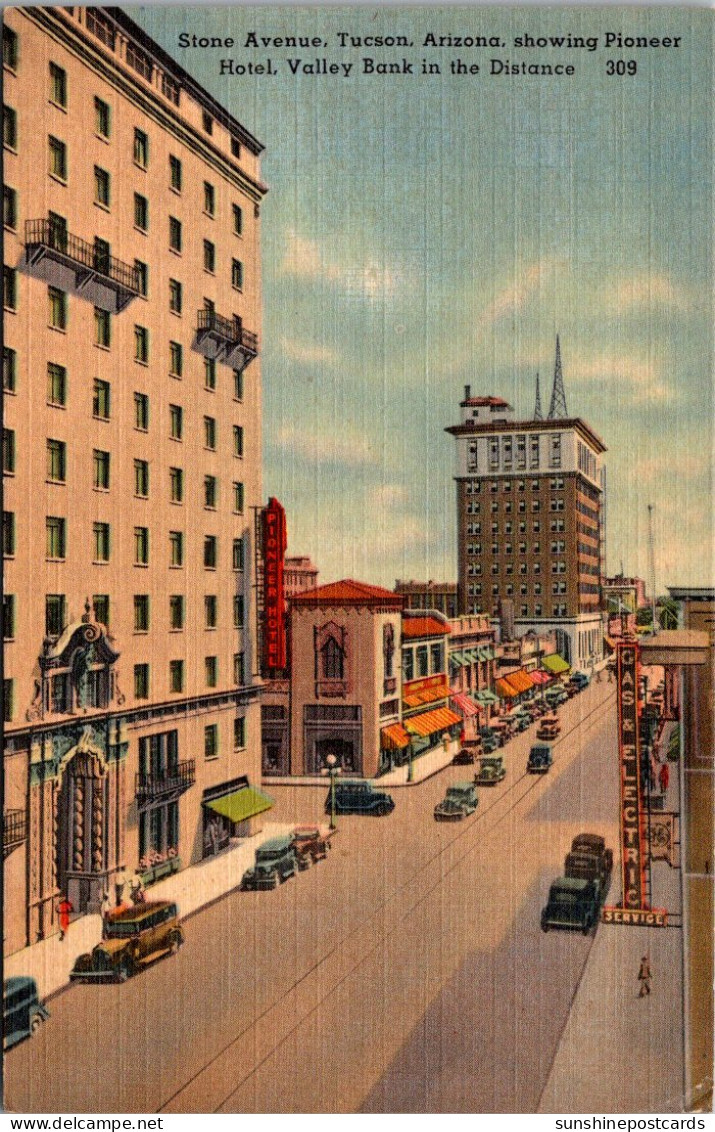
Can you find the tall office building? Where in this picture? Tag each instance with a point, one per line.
(530, 508)
(131, 461)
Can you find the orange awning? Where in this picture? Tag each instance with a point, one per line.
(430, 721)
(505, 688)
(394, 738)
(426, 695)
(521, 680)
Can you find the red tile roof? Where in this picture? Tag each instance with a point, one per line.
(348, 592)
(423, 627)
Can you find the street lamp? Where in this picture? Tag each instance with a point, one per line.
(332, 771)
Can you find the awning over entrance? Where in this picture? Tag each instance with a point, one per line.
(464, 704)
(457, 660)
(506, 689)
(521, 680)
(241, 804)
(486, 696)
(539, 677)
(425, 695)
(555, 664)
(394, 738)
(430, 721)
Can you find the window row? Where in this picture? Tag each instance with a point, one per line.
(142, 675)
(101, 545)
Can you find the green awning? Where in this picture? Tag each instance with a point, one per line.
(486, 697)
(488, 653)
(555, 664)
(457, 659)
(241, 805)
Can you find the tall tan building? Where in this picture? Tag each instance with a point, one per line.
(131, 460)
(530, 513)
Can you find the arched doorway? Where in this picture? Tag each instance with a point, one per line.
(81, 808)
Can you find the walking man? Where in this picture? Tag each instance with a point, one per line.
(644, 977)
(663, 777)
(63, 910)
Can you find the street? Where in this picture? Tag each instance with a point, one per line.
(405, 973)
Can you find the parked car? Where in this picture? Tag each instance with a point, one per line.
(520, 719)
(133, 937)
(589, 859)
(23, 1013)
(573, 904)
(359, 797)
(491, 770)
(492, 737)
(459, 802)
(541, 756)
(549, 727)
(504, 728)
(464, 757)
(581, 680)
(276, 860)
(311, 844)
(555, 695)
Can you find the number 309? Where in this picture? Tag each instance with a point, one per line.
(621, 67)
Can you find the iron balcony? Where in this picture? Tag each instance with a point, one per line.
(166, 786)
(69, 262)
(225, 339)
(14, 830)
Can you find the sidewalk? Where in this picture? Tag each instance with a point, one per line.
(51, 960)
(423, 767)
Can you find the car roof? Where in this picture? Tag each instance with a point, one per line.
(140, 911)
(274, 843)
(461, 786)
(589, 839)
(19, 982)
(573, 884)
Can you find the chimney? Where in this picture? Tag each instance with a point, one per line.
(467, 391)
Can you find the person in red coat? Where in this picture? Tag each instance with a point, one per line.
(663, 777)
(63, 911)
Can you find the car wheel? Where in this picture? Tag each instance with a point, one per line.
(35, 1024)
(307, 861)
(544, 927)
(125, 970)
(175, 942)
(587, 927)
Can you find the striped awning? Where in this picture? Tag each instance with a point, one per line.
(426, 696)
(486, 696)
(521, 680)
(488, 653)
(430, 721)
(394, 738)
(463, 703)
(457, 660)
(505, 689)
(540, 677)
(555, 664)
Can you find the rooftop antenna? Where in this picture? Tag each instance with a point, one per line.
(538, 415)
(557, 408)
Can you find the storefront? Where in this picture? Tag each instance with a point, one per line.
(229, 812)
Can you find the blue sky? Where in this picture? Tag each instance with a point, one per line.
(423, 233)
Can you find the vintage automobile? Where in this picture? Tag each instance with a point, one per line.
(459, 802)
(311, 844)
(491, 770)
(359, 797)
(23, 1013)
(520, 719)
(549, 727)
(589, 859)
(468, 753)
(490, 740)
(581, 680)
(556, 695)
(573, 904)
(541, 756)
(276, 860)
(133, 937)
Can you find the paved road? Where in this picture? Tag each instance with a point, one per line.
(405, 973)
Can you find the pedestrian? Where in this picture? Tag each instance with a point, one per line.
(663, 777)
(120, 880)
(644, 977)
(136, 888)
(105, 909)
(63, 910)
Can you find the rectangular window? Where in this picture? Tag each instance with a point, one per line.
(9, 127)
(9, 208)
(176, 485)
(102, 183)
(100, 605)
(237, 214)
(175, 174)
(141, 272)
(210, 552)
(235, 147)
(207, 122)
(101, 469)
(9, 277)
(174, 234)
(141, 345)
(209, 199)
(238, 554)
(239, 669)
(101, 541)
(102, 119)
(141, 149)
(210, 374)
(175, 296)
(237, 440)
(238, 611)
(238, 498)
(9, 370)
(210, 491)
(211, 611)
(237, 274)
(176, 675)
(54, 614)
(57, 158)
(141, 546)
(176, 548)
(141, 212)
(101, 399)
(8, 697)
(57, 301)
(8, 450)
(422, 660)
(56, 533)
(58, 85)
(8, 534)
(211, 665)
(176, 611)
(209, 257)
(141, 681)
(211, 741)
(141, 478)
(176, 422)
(141, 613)
(8, 617)
(102, 328)
(238, 385)
(56, 460)
(10, 45)
(176, 359)
(56, 384)
(141, 412)
(210, 433)
(239, 733)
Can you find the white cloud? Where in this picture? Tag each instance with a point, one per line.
(350, 447)
(368, 278)
(637, 378)
(308, 353)
(515, 296)
(644, 291)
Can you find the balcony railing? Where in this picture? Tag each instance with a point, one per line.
(170, 784)
(43, 239)
(225, 339)
(14, 830)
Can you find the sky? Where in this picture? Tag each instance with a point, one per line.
(425, 232)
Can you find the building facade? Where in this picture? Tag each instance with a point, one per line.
(441, 596)
(132, 460)
(299, 574)
(530, 499)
